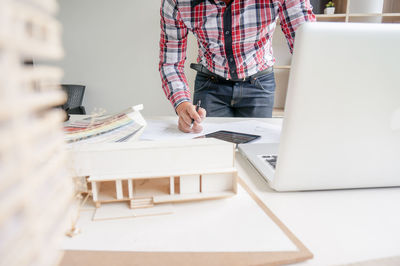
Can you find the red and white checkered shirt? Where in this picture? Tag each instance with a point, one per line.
(235, 40)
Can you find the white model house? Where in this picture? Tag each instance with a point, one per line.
(151, 172)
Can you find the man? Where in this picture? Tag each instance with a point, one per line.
(235, 63)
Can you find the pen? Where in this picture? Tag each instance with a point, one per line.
(197, 110)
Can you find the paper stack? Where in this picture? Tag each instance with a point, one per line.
(124, 126)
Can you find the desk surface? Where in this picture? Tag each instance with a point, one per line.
(339, 227)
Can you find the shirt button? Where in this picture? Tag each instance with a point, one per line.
(227, 32)
(231, 59)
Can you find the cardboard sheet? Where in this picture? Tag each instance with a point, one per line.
(233, 231)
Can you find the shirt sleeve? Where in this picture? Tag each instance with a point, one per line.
(293, 13)
(173, 44)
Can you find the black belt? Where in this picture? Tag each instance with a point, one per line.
(203, 70)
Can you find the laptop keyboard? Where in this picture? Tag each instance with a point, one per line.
(269, 159)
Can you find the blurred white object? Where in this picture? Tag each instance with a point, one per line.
(341, 133)
(35, 191)
(366, 6)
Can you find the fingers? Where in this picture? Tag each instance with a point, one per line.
(197, 128)
(183, 126)
(193, 114)
(187, 113)
(186, 117)
(202, 113)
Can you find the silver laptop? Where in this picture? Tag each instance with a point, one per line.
(342, 116)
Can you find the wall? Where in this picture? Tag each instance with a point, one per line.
(112, 48)
(283, 58)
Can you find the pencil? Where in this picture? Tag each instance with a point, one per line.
(197, 110)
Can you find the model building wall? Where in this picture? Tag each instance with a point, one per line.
(35, 192)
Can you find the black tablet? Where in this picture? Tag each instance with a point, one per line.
(231, 136)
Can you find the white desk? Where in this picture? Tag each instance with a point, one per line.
(339, 227)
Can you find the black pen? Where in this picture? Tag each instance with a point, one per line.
(197, 110)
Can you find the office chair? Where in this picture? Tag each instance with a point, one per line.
(75, 97)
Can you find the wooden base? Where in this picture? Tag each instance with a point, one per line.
(100, 258)
(106, 258)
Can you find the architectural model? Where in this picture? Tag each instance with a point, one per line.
(153, 172)
(35, 190)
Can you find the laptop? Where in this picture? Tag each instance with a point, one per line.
(342, 115)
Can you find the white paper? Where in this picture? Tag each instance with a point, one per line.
(168, 130)
(121, 210)
(235, 224)
(164, 130)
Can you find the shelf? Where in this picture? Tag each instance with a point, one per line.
(391, 15)
(330, 16)
(323, 16)
(391, 19)
(387, 17)
(374, 15)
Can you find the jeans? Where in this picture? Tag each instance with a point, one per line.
(220, 98)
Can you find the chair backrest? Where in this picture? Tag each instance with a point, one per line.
(75, 95)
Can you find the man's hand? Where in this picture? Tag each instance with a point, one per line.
(186, 112)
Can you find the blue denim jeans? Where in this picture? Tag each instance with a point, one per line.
(253, 98)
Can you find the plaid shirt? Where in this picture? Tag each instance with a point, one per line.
(235, 41)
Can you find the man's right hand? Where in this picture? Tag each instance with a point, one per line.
(186, 112)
